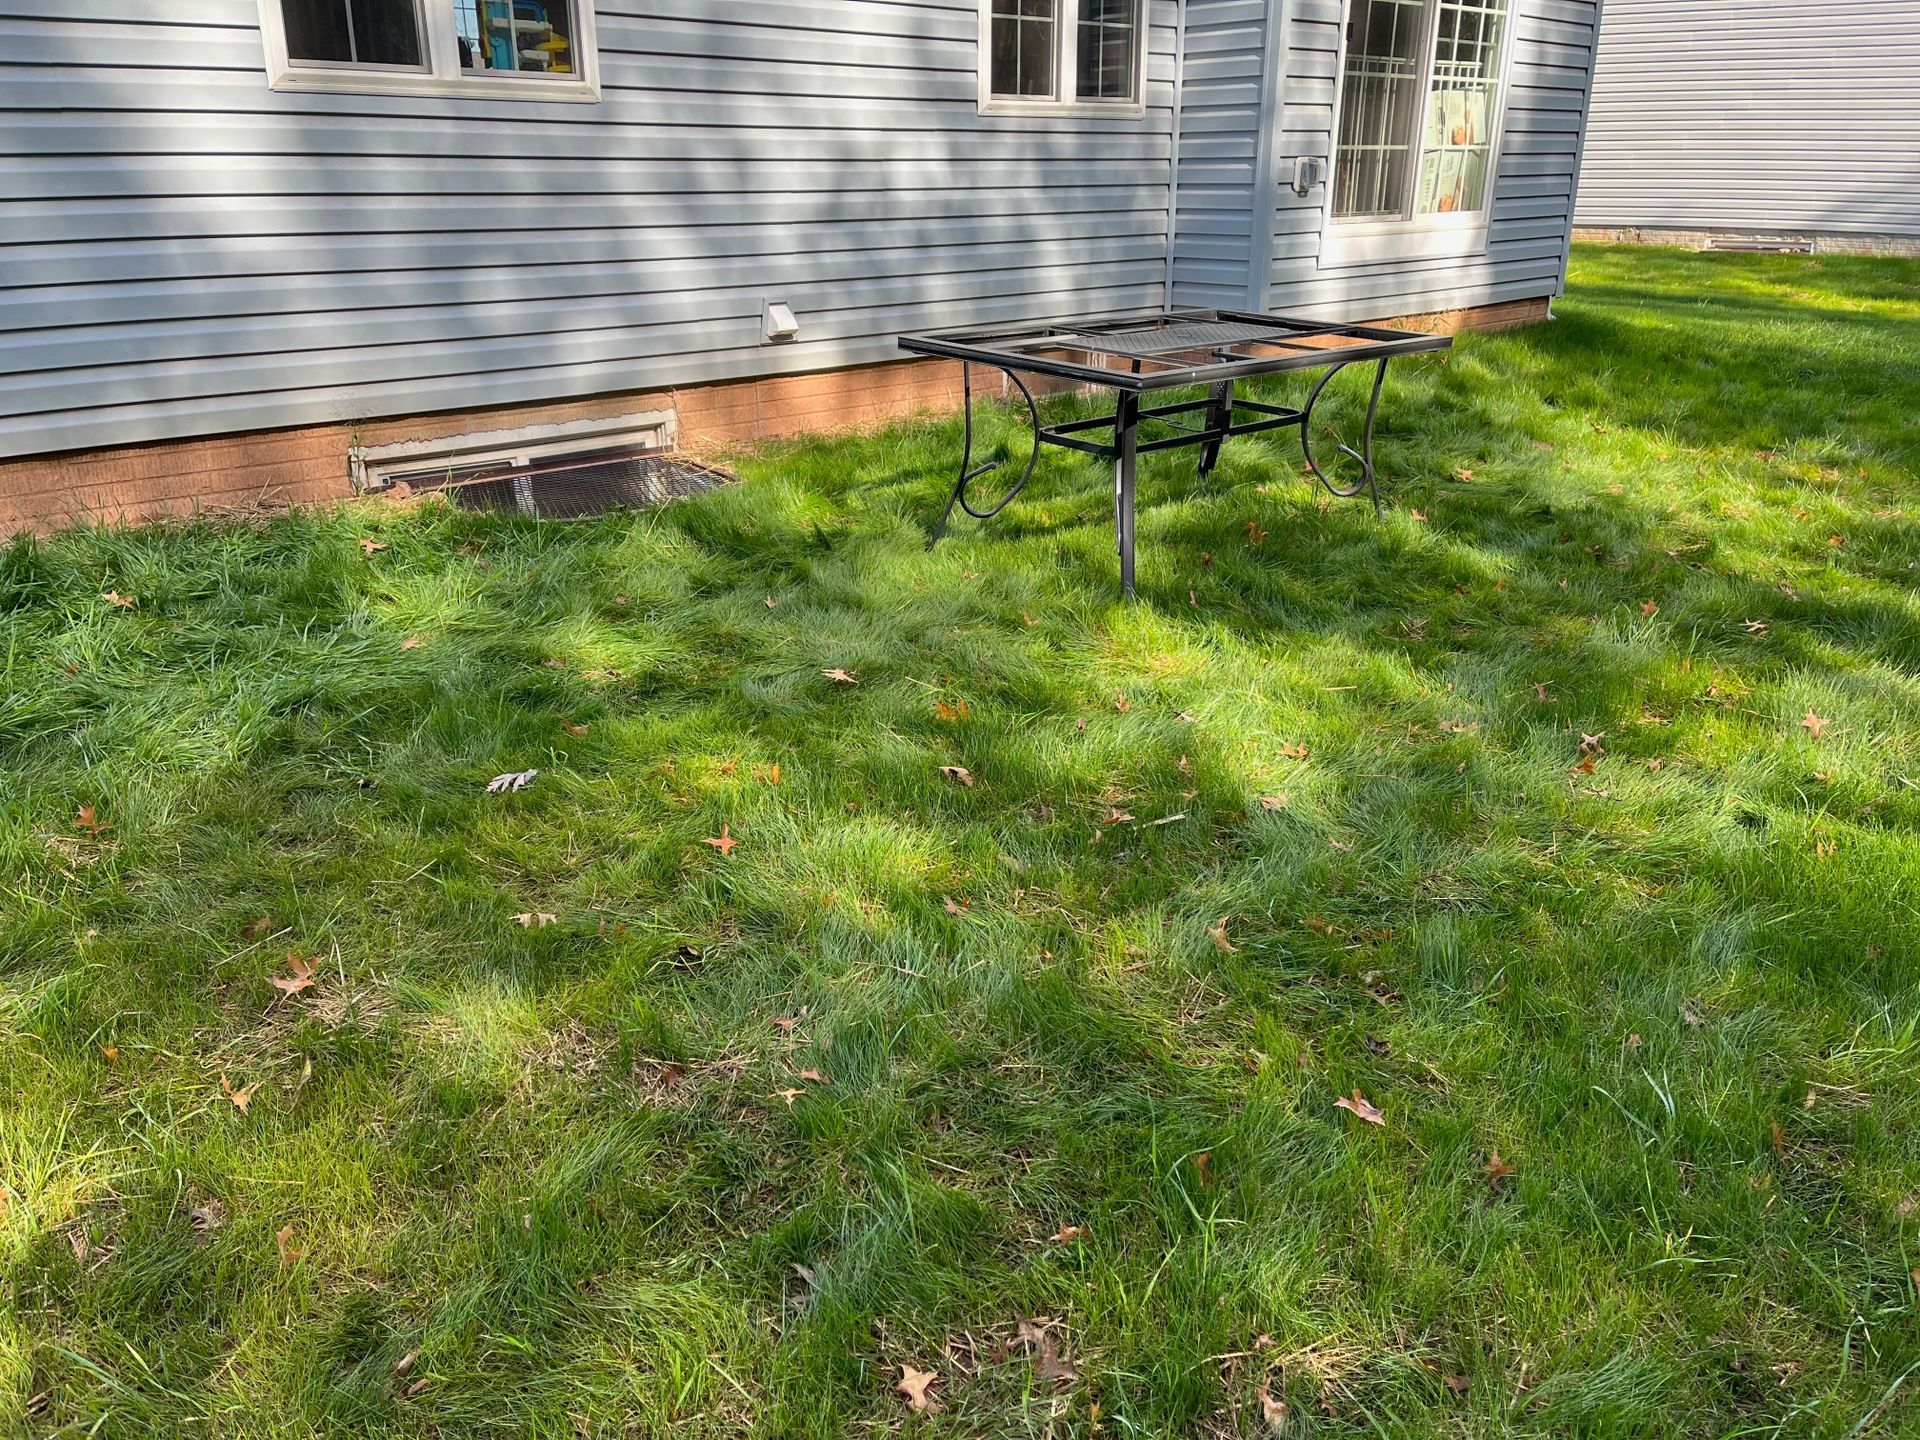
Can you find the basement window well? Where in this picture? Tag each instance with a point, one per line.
(555, 472)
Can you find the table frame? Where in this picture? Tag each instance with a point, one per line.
(1286, 344)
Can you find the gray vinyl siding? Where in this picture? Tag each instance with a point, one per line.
(1533, 197)
(184, 252)
(1223, 72)
(1756, 115)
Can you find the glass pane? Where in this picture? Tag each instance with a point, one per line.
(353, 32)
(1456, 155)
(1373, 157)
(1023, 46)
(523, 37)
(1106, 49)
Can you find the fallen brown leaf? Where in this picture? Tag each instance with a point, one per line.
(254, 929)
(1201, 1160)
(1218, 934)
(1496, 1170)
(368, 545)
(723, 842)
(1648, 609)
(301, 976)
(958, 774)
(955, 907)
(119, 601)
(412, 642)
(841, 677)
(1273, 1411)
(1361, 1107)
(914, 1384)
(535, 919)
(1814, 725)
(951, 713)
(571, 728)
(242, 1097)
(1276, 802)
(1067, 1234)
(85, 819)
(1050, 1365)
(283, 1242)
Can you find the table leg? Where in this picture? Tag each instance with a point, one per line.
(1219, 416)
(966, 453)
(969, 472)
(1368, 482)
(1126, 436)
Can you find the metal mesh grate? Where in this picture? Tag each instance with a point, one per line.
(1166, 339)
(579, 485)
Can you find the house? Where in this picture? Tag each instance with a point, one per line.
(257, 248)
(1756, 124)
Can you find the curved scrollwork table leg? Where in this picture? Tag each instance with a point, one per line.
(1368, 481)
(969, 472)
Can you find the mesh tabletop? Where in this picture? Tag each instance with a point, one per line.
(1142, 353)
(1168, 339)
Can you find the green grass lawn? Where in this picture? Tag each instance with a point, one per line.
(1570, 813)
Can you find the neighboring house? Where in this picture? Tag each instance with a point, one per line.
(1742, 123)
(251, 248)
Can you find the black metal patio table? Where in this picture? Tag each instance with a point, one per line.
(1136, 357)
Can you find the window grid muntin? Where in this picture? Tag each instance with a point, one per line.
(1025, 48)
(1120, 26)
(1109, 31)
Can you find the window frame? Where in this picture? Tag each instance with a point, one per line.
(441, 74)
(1367, 240)
(1066, 57)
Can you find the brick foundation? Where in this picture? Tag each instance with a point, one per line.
(308, 465)
(1907, 246)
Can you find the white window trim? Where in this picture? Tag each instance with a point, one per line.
(1452, 235)
(441, 75)
(1066, 56)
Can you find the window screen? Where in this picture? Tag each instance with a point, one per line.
(1382, 80)
(353, 32)
(1419, 100)
(1457, 146)
(1108, 34)
(1024, 36)
(516, 36)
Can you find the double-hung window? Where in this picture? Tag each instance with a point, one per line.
(530, 49)
(1062, 55)
(1420, 103)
